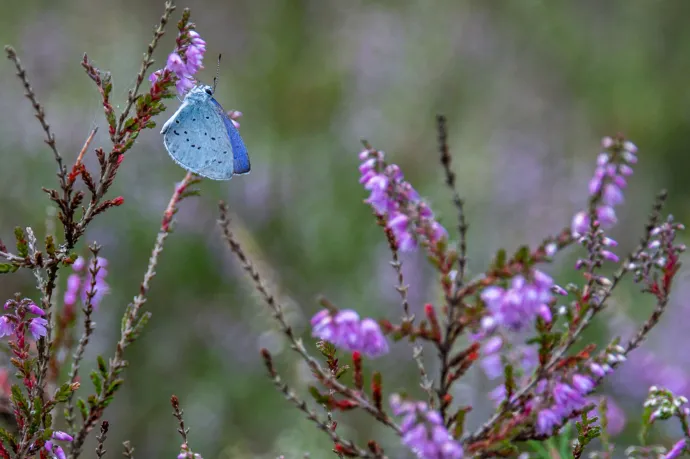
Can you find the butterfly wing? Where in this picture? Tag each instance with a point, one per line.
(239, 151)
(195, 137)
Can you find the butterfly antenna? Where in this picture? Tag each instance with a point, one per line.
(215, 78)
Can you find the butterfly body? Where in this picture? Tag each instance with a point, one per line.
(201, 138)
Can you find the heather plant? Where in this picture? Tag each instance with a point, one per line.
(512, 320)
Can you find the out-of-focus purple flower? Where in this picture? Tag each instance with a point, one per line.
(423, 430)
(522, 302)
(547, 420)
(8, 304)
(6, 326)
(608, 183)
(407, 216)
(567, 399)
(583, 384)
(492, 366)
(498, 394)
(37, 327)
(493, 345)
(185, 61)
(79, 264)
(599, 369)
(189, 455)
(345, 330)
(78, 285)
(677, 450)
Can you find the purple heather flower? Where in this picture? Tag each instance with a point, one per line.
(492, 366)
(184, 62)
(345, 330)
(55, 450)
(37, 327)
(34, 309)
(547, 421)
(493, 345)
(62, 436)
(608, 181)
(423, 431)
(583, 384)
(406, 215)
(79, 264)
(6, 326)
(600, 370)
(677, 450)
(522, 302)
(567, 399)
(78, 285)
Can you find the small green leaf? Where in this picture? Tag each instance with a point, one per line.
(8, 268)
(460, 422)
(81, 404)
(19, 400)
(22, 245)
(50, 246)
(7, 438)
(97, 381)
(318, 396)
(341, 371)
(139, 327)
(114, 386)
(62, 393)
(522, 255)
(101, 367)
(501, 257)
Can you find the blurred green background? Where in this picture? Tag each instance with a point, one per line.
(529, 88)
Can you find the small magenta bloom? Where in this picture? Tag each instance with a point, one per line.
(423, 430)
(677, 450)
(373, 341)
(407, 216)
(34, 309)
(55, 450)
(567, 399)
(600, 370)
(519, 305)
(583, 384)
(608, 183)
(547, 421)
(79, 284)
(185, 61)
(345, 330)
(6, 326)
(62, 436)
(37, 327)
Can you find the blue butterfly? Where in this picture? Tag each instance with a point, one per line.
(201, 138)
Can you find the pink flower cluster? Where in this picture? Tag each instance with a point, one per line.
(519, 305)
(423, 430)
(566, 399)
(56, 450)
(408, 217)
(613, 166)
(185, 61)
(9, 322)
(345, 330)
(79, 282)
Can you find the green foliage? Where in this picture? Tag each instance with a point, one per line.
(556, 446)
